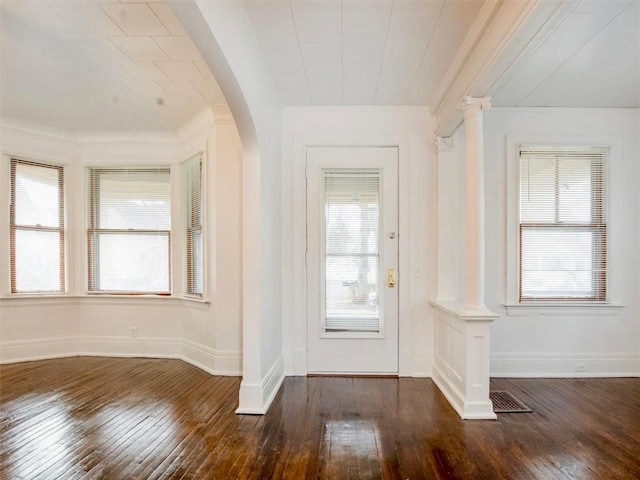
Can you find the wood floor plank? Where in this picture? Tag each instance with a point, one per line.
(127, 418)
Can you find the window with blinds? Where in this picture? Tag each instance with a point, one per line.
(351, 250)
(129, 234)
(193, 212)
(37, 227)
(563, 227)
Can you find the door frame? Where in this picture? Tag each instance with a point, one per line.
(295, 341)
(380, 348)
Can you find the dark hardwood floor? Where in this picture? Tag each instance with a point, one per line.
(114, 418)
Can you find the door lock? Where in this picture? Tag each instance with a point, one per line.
(391, 278)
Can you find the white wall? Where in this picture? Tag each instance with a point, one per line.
(205, 333)
(409, 128)
(550, 342)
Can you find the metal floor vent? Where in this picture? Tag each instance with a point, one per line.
(504, 402)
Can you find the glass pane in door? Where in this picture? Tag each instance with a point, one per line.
(351, 250)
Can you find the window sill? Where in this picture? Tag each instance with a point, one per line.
(563, 308)
(101, 299)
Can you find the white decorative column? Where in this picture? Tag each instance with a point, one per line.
(444, 147)
(473, 301)
(463, 325)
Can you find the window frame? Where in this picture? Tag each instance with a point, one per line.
(189, 229)
(13, 228)
(92, 220)
(597, 225)
(513, 305)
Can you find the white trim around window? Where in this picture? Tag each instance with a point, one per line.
(129, 230)
(36, 226)
(513, 304)
(192, 173)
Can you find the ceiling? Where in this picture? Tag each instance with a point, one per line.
(355, 52)
(103, 65)
(95, 66)
(585, 56)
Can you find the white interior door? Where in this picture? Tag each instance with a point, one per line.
(352, 260)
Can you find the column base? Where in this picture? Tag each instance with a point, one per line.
(461, 364)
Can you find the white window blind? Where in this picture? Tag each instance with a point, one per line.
(351, 250)
(129, 235)
(37, 227)
(193, 211)
(563, 228)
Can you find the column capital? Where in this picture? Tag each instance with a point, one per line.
(444, 144)
(479, 103)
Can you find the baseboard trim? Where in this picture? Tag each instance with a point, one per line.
(451, 393)
(212, 361)
(40, 349)
(467, 410)
(256, 398)
(561, 365)
(225, 363)
(158, 347)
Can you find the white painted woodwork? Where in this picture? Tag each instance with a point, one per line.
(461, 363)
(473, 299)
(446, 158)
(353, 352)
(401, 127)
(462, 321)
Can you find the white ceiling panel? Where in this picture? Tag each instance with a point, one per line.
(286, 66)
(293, 90)
(316, 7)
(392, 88)
(168, 18)
(360, 80)
(135, 18)
(140, 49)
(325, 86)
(364, 43)
(402, 57)
(86, 19)
(417, 7)
(363, 15)
(579, 28)
(273, 15)
(211, 91)
(590, 60)
(181, 71)
(32, 20)
(319, 29)
(411, 29)
(359, 51)
(179, 48)
(322, 57)
(181, 89)
(144, 71)
(146, 89)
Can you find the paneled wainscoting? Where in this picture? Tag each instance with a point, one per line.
(130, 418)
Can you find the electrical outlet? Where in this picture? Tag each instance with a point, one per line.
(134, 332)
(580, 367)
